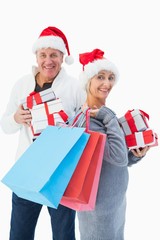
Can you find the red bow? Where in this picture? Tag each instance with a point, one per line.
(33, 95)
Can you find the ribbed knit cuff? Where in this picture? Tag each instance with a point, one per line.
(105, 114)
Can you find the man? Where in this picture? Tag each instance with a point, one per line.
(50, 49)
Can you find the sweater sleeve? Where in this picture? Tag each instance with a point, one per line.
(20, 90)
(116, 151)
(7, 122)
(133, 159)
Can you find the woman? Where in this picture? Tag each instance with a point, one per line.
(107, 221)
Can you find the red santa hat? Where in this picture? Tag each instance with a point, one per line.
(52, 37)
(93, 62)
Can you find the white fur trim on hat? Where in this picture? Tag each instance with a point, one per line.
(49, 42)
(69, 60)
(93, 68)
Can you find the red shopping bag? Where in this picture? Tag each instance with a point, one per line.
(81, 191)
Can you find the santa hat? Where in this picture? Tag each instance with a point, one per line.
(53, 37)
(93, 62)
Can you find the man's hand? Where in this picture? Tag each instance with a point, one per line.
(23, 116)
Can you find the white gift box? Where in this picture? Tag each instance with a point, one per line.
(142, 139)
(42, 112)
(39, 126)
(38, 112)
(134, 121)
(37, 98)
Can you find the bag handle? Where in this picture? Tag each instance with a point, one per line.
(87, 119)
(84, 116)
(79, 119)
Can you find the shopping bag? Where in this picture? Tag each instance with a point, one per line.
(98, 160)
(81, 191)
(42, 173)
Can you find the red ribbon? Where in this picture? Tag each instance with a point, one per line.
(34, 134)
(148, 137)
(33, 96)
(63, 115)
(131, 140)
(50, 116)
(144, 114)
(131, 121)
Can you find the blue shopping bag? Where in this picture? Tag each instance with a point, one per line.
(43, 171)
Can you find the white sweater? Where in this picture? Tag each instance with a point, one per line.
(64, 87)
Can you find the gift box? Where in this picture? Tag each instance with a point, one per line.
(48, 113)
(55, 119)
(35, 98)
(40, 111)
(142, 139)
(134, 121)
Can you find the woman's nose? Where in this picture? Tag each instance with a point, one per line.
(107, 82)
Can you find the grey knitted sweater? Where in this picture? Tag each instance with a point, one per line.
(107, 221)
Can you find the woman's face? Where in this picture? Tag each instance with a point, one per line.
(101, 85)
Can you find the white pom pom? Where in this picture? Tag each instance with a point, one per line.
(69, 60)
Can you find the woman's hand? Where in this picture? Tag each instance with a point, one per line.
(23, 116)
(140, 152)
(92, 111)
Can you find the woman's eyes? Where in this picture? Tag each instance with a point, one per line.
(101, 77)
(110, 78)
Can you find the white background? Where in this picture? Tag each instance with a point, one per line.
(128, 32)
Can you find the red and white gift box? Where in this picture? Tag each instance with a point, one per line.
(36, 98)
(39, 126)
(134, 121)
(142, 139)
(48, 113)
